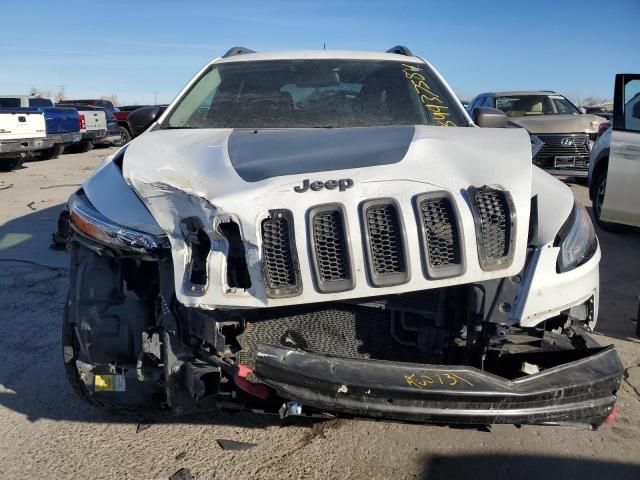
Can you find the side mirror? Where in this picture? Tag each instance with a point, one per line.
(140, 119)
(488, 117)
(582, 109)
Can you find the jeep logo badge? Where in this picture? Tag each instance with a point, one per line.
(342, 185)
(567, 142)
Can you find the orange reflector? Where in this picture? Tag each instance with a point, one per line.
(84, 226)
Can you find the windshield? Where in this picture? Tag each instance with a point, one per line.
(316, 93)
(525, 105)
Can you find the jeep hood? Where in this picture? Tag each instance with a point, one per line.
(586, 123)
(241, 176)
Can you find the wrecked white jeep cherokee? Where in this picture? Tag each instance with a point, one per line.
(329, 232)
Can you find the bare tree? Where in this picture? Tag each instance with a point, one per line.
(39, 93)
(61, 95)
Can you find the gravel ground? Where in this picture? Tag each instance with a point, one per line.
(45, 432)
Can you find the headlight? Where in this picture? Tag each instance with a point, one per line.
(88, 221)
(577, 240)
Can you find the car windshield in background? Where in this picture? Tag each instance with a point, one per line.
(316, 94)
(525, 105)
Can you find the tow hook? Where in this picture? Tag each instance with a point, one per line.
(290, 409)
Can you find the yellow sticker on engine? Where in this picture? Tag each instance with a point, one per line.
(109, 383)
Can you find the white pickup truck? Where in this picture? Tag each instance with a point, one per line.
(21, 133)
(93, 125)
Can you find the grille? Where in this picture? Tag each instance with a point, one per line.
(342, 330)
(279, 255)
(330, 249)
(494, 226)
(440, 234)
(385, 244)
(552, 147)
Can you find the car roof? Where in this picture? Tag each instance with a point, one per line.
(520, 92)
(319, 55)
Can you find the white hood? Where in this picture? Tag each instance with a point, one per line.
(187, 173)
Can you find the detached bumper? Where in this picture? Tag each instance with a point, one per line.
(580, 392)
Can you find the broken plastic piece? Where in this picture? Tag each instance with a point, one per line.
(290, 409)
(529, 368)
(234, 445)
(182, 474)
(257, 390)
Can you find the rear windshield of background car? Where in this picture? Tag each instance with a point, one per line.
(525, 105)
(316, 94)
(9, 103)
(40, 102)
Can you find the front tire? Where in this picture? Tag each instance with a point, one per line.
(51, 153)
(599, 189)
(125, 137)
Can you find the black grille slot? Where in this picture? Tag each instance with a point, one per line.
(385, 243)
(576, 145)
(280, 262)
(329, 249)
(441, 235)
(495, 226)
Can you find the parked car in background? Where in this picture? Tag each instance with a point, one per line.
(62, 123)
(567, 134)
(96, 102)
(22, 135)
(321, 232)
(123, 120)
(614, 172)
(600, 111)
(93, 126)
(114, 134)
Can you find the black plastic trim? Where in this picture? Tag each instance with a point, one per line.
(233, 51)
(401, 50)
(492, 264)
(442, 272)
(385, 280)
(293, 290)
(336, 286)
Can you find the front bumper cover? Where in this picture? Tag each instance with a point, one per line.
(579, 392)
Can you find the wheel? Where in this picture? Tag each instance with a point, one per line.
(600, 186)
(85, 146)
(51, 153)
(8, 164)
(125, 137)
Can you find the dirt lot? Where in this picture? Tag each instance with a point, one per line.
(45, 432)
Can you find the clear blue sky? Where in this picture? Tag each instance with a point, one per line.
(132, 48)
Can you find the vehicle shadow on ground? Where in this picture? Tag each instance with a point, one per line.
(524, 467)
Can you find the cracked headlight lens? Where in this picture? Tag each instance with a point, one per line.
(577, 240)
(88, 221)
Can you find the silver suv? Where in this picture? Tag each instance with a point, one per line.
(567, 134)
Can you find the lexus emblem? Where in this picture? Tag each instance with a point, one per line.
(567, 142)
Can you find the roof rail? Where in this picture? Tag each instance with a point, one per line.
(237, 51)
(401, 50)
